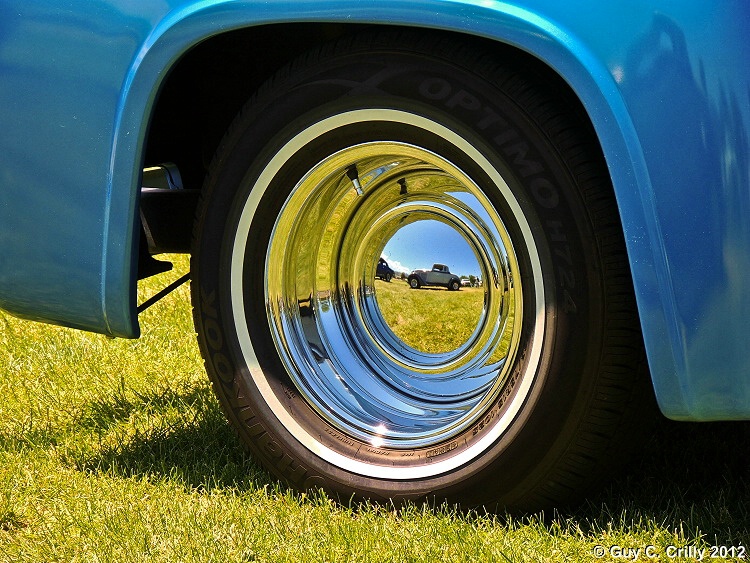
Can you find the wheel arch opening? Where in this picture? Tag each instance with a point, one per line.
(209, 84)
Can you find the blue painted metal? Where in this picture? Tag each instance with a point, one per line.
(666, 85)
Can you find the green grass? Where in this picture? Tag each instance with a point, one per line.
(117, 451)
(431, 319)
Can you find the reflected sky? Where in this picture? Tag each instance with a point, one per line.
(419, 245)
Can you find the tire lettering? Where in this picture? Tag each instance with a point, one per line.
(465, 100)
(208, 307)
(282, 461)
(569, 306)
(545, 193)
(212, 330)
(542, 189)
(239, 402)
(490, 118)
(505, 137)
(340, 438)
(223, 367)
(555, 230)
(441, 450)
(563, 251)
(215, 342)
(435, 89)
(565, 271)
(567, 279)
(527, 166)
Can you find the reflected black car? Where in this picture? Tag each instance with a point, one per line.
(384, 271)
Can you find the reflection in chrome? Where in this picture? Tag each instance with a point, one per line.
(323, 310)
(435, 320)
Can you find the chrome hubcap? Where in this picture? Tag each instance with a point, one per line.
(367, 373)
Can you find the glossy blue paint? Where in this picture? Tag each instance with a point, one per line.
(665, 84)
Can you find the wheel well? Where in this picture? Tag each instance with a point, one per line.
(208, 86)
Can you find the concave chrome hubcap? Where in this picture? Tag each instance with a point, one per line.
(329, 323)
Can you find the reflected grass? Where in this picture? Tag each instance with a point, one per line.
(432, 320)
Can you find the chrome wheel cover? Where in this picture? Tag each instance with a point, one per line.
(323, 310)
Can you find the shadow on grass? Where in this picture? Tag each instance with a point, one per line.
(198, 450)
(102, 414)
(690, 477)
(693, 478)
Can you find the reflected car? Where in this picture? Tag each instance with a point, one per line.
(384, 271)
(439, 275)
(594, 157)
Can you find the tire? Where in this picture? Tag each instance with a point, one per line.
(388, 277)
(532, 409)
(454, 285)
(414, 283)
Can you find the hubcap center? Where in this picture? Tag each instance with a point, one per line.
(431, 255)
